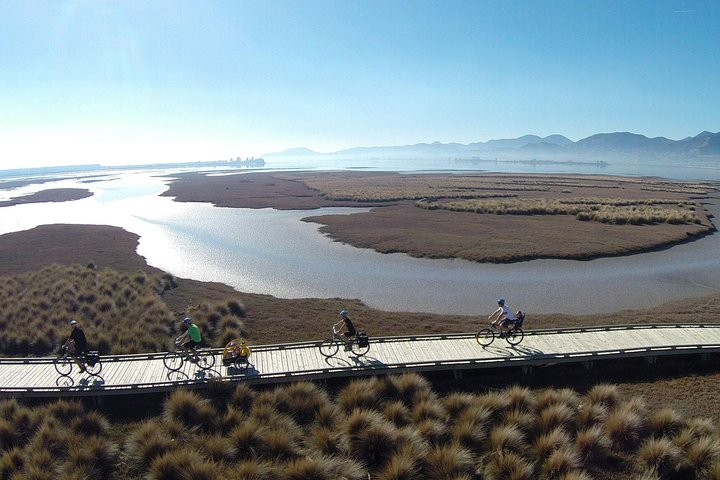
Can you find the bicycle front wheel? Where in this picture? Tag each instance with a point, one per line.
(173, 361)
(63, 365)
(206, 359)
(485, 336)
(329, 347)
(358, 350)
(514, 336)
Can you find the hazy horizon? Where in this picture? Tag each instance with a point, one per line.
(135, 82)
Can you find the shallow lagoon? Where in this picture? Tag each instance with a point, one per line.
(274, 252)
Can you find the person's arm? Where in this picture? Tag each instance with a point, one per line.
(492, 316)
(338, 323)
(182, 337)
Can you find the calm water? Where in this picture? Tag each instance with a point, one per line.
(273, 252)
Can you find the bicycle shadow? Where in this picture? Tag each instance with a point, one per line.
(512, 350)
(92, 381)
(248, 370)
(177, 376)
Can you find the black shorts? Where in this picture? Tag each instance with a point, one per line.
(190, 344)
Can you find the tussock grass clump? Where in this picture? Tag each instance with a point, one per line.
(557, 415)
(507, 438)
(363, 393)
(660, 455)
(182, 465)
(147, 442)
(547, 443)
(560, 462)
(456, 403)
(409, 388)
(449, 461)
(592, 445)
(508, 466)
(665, 422)
(625, 430)
(702, 454)
(191, 410)
(604, 394)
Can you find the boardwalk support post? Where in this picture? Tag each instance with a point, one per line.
(652, 360)
(527, 369)
(704, 356)
(588, 364)
(457, 374)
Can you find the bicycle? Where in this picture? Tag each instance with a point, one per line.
(513, 336)
(358, 344)
(64, 362)
(173, 361)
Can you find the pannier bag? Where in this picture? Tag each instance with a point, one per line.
(91, 358)
(520, 318)
(362, 339)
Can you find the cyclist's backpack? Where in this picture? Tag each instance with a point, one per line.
(91, 358)
(362, 339)
(520, 318)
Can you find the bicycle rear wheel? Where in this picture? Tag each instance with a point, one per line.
(173, 361)
(485, 336)
(329, 347)
(63, 365)
(206, 359)
(95, 368)
(514, 336)
(358, 350)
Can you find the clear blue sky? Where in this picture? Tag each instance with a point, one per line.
(125, 81)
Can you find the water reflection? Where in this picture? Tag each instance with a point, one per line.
(273, 252)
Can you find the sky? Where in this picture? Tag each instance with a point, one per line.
(131, 81)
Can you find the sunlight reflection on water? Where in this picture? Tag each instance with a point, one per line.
(273, 252)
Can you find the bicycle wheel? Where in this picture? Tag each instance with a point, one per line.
(95, 368)
(358, 350)
(205, 359)
(173, 361)
(63, 365)
(329, 347)
(514, 336)
(485, 336)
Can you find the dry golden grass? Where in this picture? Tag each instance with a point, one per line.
(276, 439)
(604, 210)
(120, 312)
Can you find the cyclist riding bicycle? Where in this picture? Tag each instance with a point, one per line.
(503, 316)
(350, 332)
(77, 345)
(190, 339)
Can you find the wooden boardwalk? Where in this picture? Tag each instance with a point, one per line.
(128, 374)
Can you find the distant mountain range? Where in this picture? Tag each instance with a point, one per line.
(602, 146)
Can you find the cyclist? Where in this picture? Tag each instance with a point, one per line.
(350, 332)
(503, 316)
(77, 345)
(190, 339)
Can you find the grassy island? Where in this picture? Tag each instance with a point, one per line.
(478, 217)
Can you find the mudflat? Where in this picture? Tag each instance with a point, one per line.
(49, 195)
(478, 217)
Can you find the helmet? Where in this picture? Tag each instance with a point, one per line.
(343, 312)
(187, 321)
(501, 301)
(73, 322)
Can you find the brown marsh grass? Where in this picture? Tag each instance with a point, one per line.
(277, 436)
(120, 312)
